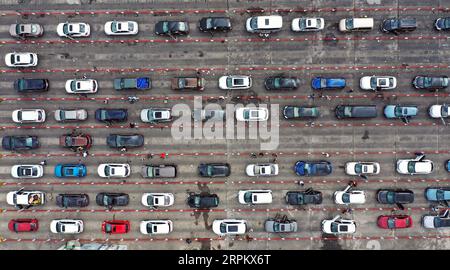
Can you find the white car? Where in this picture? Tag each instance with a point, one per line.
(252, 114)
(413, 166)
(121, 28)
(362, 168)
(71, 115)
(436, 221)
(155, 115)
(157, 199)
(27, 171)
(235, 82)
(307, 24)
(28, 116)
(81, 86)
(378, 83)
(348, 196)
(73, 29)
(264, 24)
(338, 225)
(21, 59)
(255, 196)
(156, 226)
(23, 198)
(268, 169)
(224, 227)
(439, 111)
(66, 226)
(108, 170)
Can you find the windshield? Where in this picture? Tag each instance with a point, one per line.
(246, 114)
(391, 223)
(107, 170)
(114, 26)
(209, 23)
(223, 228)
(373, 82)
(358, 168)
(254, 23)
(334, 227)
(346, 198)
(399, 111)
(248, 197)
(411, 167)
(165, 27)
(390, 197)
(66, 29)
(349, 24)
(277, 82)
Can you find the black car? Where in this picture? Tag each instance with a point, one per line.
(308, 196)
(395, 196)
(299, 112)
(171, 28)
(129, 140)
(201, 201)
(214, 169)
(397, 25)
(31, 85)
(356, 111)
(112, 199)
(430, 83)
(111, 115)
(281, 83)
(20, 142)
(72, 200)
(215, 24)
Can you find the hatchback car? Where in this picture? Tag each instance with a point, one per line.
(25, 59)
(349, 196)
(215, 24)
(378, 83)
(355, 111)
(203, 201)
(279, 226)
(70, 170)
(430, 82)
(23, 225)
(81, 86)
(307, 24)
(252, 114)
(25, 199)
(76, 142)
(171, 28)
(437, 194)
(31, 85)
(214, 169)
(110, 199)
(121, 28)
(395, 196)
(116, 226)
(404, 112)
(338, 225)
(18, 143)
(72, 30)
(72, 200)
(312, 168)
(111, 115)
(264, 24)
(362, 168)
(398, 25)
(300, 112)
(156, 115)
(157, 199)
(114, 170)
(24, 30)
(442, 24)
(439, 111)
(266, 169)
(235, 82)
(156, 226)
(413, 166)
(27, 171)
(71, 115)
(224, 227)
(436, 221)
(159, 171)
(282, 83)
(125, 140)
(308, 196)
(321, 83)
(208, 115)
(66, 226)
(394, 222)
(252, 197)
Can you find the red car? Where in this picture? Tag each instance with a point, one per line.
(394, 222)
(115, 226)
(80, 141)
(23, 225)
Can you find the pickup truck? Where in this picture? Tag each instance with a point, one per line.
(143, 83)
(188, 83)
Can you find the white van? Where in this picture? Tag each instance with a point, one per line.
(264, 24)
(355, 24)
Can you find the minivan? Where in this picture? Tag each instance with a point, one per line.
(264, 24)
(356, 111)
(159, 171)
(396, 25)
(355, 24)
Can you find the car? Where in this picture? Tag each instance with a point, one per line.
(24, 30)
(25, 199)
(156, 226)
(447, 165)
(81, 86)
(235, 82)
(156, 115)
(274, 225)
(321, 83)
(307, 24)
(430, 82)
(203, 201)
(313, 168)
(436, 221)
(252, 197)
(71, 115)
(27, 171)
(338, 225)
(264, 25)
(110, 199)
(23, 225)
(214, 170)
(349, 196)
(308, 196)
(439, 111)
(159, 171)
(224, 227)
(25, 59)
(72, 200)
(17, 143)
(215, 24)
(394, 222)
(437, 194)
(252, 114)
(442, 24)
(395, 196)
(157, 199)
(125, 140)
(208, 115)
(66, 226)
(378, 83)
(413, 166)
(398, 25)
(188, 83)
(72, 30)
(116, 226)
(404, 112)
(111, 115)
(362, 168)
(31, 85)
(76, 141)
(70, 170)
(281, 83)
(141, 83)
(108, 170)
(299, 112)
(171, 28)
(266, 169)
(121, 28)
(355, 111)
(356, 24)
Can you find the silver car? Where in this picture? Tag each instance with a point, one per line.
(23, 30)
(204, 115)
(280, 226)
(71, 115)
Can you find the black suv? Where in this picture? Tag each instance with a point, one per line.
(309, 196)
(31, 85)
(201, 201)
(215, 24)
(395, 196)
(397, 25)
(72, 200)
(356, 111)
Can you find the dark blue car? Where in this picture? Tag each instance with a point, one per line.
(313, 168)
(111, 115)
(70, 170)
(320, 83)
(447, 165)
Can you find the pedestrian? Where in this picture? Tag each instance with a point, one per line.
(85, 153)
(252, 155)
(350, 90)
(301, 183)
(326, 154)
(328, 97)
(320, 95)
(43, 163)
(123, 149)
(344, 211)
(132, 125)
(188, 241)
(149, 156)
(312, 96)
(163, 155)
(105, 101)
(261, 154)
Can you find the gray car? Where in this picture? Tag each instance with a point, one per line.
(203, 115)
(280, 226)
(159, 171)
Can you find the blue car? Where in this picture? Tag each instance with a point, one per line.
(313, 168)
(70, 170)
(320, 83)
(438, 194)
(447, 165)
(399, 111)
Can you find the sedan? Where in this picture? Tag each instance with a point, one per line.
(81, 86)
(268, 169)
(395, 196)
(66, 226)
(338, 225)
(252, 197)
(313, 168)
(17, 143)
(417, 165)
(21, 59)
(439, 111)
(156, 115)
(171, 28)
(127, 141)
(31, 85)
(308, 196)
(202, 201)
(112, 199)
(281, 83)
(159, 171)
(113, 170)
(442, 24)
(320, 83)
(157, 199)
(307, 24)
(208, 115)
(279, 226)
(394, 222)
(235, 82)
(72, 200)
(437, 194)
(214, 169)
(76, 142)
(156, 226)
(436, 221)
(378, 83)
(72, 30)
(348, 196)
(400, 111)
(116, 226)
(224, 227)
(23, 225)
(299, 112)
(27, 171)
(71, 115)
(121, 28)
(362, 168)
(111, 115)
(215, 24)
(70, 170)
(430, 83)
(252, 114)
(24, 30)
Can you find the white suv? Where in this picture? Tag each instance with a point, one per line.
(338, 225)
(66, 226)
(413, 166)
(348, 196)
(108, 170)
(225, 227)
(28, 116)
(378, 82)
(255, 196)
(237, 82)
(264, 24)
